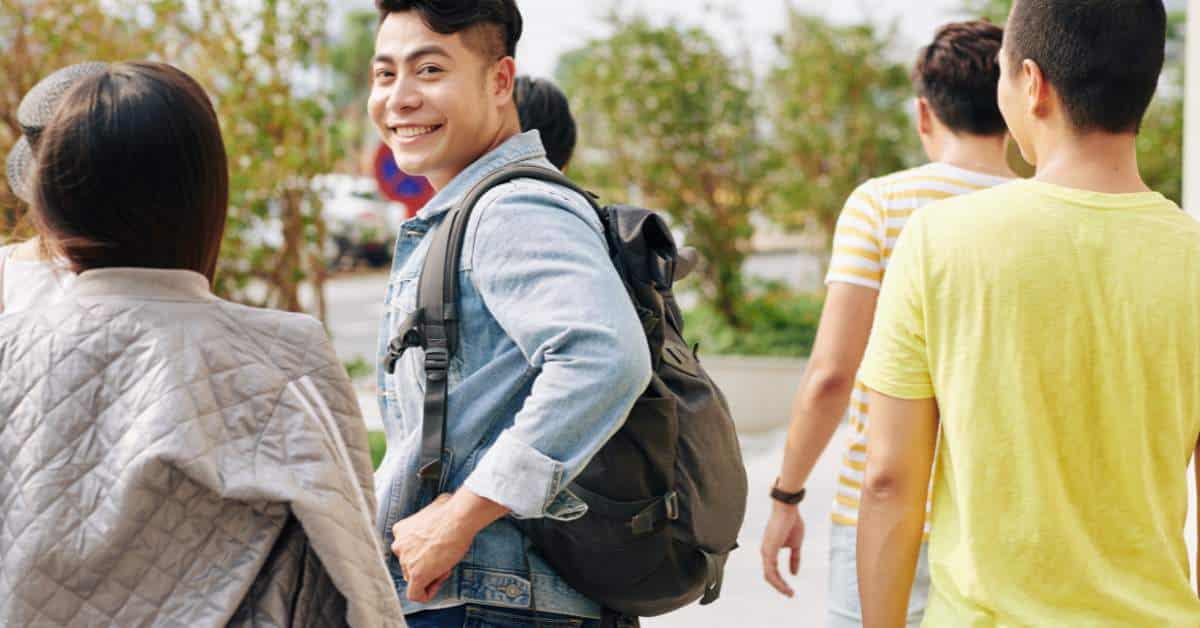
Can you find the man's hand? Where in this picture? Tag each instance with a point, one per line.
(785, 528)
(430, 543)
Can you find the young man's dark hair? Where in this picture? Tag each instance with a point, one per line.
(957, 75)
(495, 25)
(543, 107)
(1103, 57)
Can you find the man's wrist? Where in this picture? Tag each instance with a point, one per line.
(783, 496)
(471, 513)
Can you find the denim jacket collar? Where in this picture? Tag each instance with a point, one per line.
(518, 148)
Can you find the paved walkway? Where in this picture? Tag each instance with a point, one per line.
(747, 601)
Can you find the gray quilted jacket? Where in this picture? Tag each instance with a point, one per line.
(171, 459)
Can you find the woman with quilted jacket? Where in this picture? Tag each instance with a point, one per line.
(168, 458)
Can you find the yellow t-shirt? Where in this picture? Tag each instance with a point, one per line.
(1058, 331)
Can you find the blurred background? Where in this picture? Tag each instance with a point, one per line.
(747, 123)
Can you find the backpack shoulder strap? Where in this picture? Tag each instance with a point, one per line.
(436, 315)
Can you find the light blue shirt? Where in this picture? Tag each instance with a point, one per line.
(551, 359)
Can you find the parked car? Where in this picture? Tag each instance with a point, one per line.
(361, 224)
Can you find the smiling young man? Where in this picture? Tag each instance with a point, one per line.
(551, 353)
(1047, 328)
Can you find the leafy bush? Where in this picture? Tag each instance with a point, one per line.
(378, 443)
(778, 322)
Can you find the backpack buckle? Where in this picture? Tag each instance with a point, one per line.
(671, 501)
(437, 359)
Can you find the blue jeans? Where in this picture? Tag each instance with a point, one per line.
(845, 607)
(474, 616)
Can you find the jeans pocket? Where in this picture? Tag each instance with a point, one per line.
(495, 617)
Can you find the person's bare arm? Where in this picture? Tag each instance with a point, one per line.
(901, 440)
(818, 408)
(1196, 469)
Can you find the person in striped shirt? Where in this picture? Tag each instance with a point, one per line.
(965, 137)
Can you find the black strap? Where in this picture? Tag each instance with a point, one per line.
(437, 304)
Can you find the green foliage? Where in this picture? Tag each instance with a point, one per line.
(665, 111)
(378, 443)
(279, 131)
(839, 110)
(350, 58)
(40, 36)
(279, 135)
(358, 367)
(778, 323)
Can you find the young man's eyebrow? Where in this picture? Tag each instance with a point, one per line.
(432, 49)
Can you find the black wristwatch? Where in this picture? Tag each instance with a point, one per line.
(787, 498)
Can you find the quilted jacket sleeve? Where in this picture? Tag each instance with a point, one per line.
(316, 449)
(311, 454)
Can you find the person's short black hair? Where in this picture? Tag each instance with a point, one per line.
(957, 74)
(1103, 57)
(542, 106)
(493, 27)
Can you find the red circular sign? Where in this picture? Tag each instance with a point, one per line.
(399, 186)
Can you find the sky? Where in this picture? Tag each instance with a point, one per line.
(553, 27)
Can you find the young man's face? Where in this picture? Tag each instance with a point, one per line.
(433, 98)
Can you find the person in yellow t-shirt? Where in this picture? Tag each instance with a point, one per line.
(1041, 337)
(963, 134)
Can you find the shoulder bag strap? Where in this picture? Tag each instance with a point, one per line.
(437, 309)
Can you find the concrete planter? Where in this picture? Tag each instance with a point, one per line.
(760, 390)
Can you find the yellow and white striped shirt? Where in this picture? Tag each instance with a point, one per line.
(862, 245)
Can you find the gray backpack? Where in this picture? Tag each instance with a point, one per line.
(667, 494)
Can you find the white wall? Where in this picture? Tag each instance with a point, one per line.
(1191, 127)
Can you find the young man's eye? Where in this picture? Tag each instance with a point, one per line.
(428, 70)
(381, 73)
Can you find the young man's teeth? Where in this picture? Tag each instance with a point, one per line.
(414, 131)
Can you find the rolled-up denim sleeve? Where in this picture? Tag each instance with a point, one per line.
(543, 271)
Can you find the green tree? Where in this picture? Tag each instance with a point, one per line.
(666, 113)
(40, 36)
(263, 62)
(838, 108)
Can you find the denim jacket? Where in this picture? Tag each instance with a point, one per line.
(551, 359)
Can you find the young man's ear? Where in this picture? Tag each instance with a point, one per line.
(1037, 89)
(924, 117)
(504, 78)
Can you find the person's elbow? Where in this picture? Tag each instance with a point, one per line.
(889, 483)
(634, 370)
(827, 383)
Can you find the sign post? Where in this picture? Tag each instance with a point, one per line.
(399, 186)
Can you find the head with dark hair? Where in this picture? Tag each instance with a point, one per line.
(956, 75)
(493, 27)
(442, 86)
(544, 108)
(131, 172)
(1100, 59)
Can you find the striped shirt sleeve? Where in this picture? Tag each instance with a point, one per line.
(857, 245)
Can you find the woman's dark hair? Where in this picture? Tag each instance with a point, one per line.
(1103, 57)
(957, 75)
(131, 172)
(543, 107)
(492, 26)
